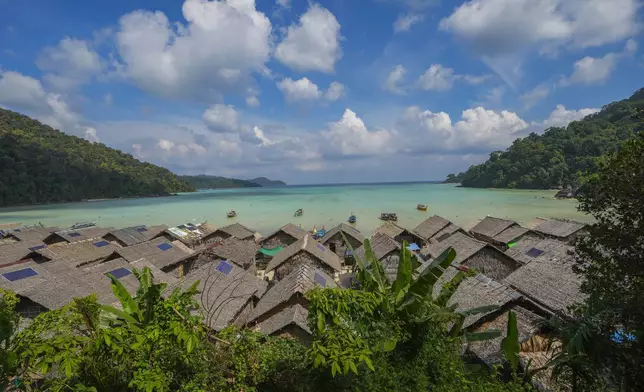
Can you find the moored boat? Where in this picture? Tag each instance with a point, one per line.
(352, 218)
(231, 214)
(389, 216)
(422, 207)
(83, 225)
(299, 212)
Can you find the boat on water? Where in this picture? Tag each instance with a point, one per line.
(352, 218)
(318, 233)
(83, 225)
(422, 207)
(389, 216)
(299, 212)
(231, 214)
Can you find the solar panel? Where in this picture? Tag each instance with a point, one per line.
(73, 234)
(164, 246)
(319, 279)
(34, 248)
(534, 252)
(224, 267)
(20, 274)
(320, 247)
(141, 229)
(101, 244)
(120, 272)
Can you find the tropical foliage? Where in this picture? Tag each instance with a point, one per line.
(39, 164)
(203, 181)
(560, 157)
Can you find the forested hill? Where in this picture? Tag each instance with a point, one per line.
(39, 164)
(204, 181)
(560, 157)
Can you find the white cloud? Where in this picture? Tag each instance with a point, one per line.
(252, 101)
(561, 117)
(475, 79)
(70, 64)
(395, 77)
(597, 70)
(531, 98)
(221, 45)
(299, 90)
(92, 135)
(221, 118)
(335, 91)
(180, 149)
(405, 22)
(437, 78)
(313, 43)
(350, 136)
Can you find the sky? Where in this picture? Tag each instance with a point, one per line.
(316, 92)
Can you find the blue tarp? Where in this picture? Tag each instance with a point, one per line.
(413, 246)
(620, 337)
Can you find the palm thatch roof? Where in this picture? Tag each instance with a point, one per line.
(490, 226)
(559, 228)
(431, 226)
(159, 252)
(510, 234)
(464, 245)
(77, 254)
(292, 315)
(239, 252)
(224, 290)
(298, 282)
(348, 230)
(76, 235)
(391, 229)
(290, 229)
(136, 234)
(10, 253)
(381, 245)
(529, 249)
(312, 247)
(446, 232)
(554, 286)
(32, 233)
(236, 230)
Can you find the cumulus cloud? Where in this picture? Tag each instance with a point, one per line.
(597, 70)
(395, 77)
(312, 43)
(305, 90)
(531, 98)
(69, 64)
(405, 22)
(221, 45)
(252, 101)
(221, 118)
(561, 117)
(350, 136)
(335, 91)
(440, 78)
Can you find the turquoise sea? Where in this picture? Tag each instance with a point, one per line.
(265, 209)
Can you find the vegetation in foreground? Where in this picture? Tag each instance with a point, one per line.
(560, 157)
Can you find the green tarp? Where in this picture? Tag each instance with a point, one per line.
(271, 252)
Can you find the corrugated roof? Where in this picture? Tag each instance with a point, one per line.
(312, 247)
(137, 234)
(510, 234)
(159, 252)
(431, 226)
(348, 230)
(490, 226)
(239, 252)
(559, 228)
(295, 314)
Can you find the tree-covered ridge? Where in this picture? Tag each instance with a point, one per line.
(560, 157)
(204, 181)
(39, 164)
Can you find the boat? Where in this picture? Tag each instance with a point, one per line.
(231, 214)
(83, 225)
(318, 233)
(299, 212)
(389, 216)
(352, 218)
(422, 207)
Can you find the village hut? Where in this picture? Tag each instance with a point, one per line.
(474, 254)
(304, 251)
(501, 233)
(530, 249)
(17, 251)
(435, 229)
(386, 250)
(164, 255)
(236, 230)
(334, 239)
(399, 233)
(78, 254)
(562, 230)
(283, 237)
(189, 234)
(240, 252)
(134, 235)
(70, 236)
(279, 311)
(227, 293)
(30, 234)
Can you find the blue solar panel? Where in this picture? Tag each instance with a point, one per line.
(534, 252)
(320, 247)
(74, 234)
(164, 246)
(224, 267)
(141, 229)
(319, 279)
(120, 272)
(100, 244)
(20, 274)
(34, 248)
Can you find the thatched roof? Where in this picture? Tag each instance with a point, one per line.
(490, 226)
(431, 226)
(236, 230)
(32, 233)
(348, 230)
(381, 245)
(510, 234)
(290, 229)
(301, 280)
(446, 232)
(391, 229)
(529, 249)
(77, 254)
(239, 252)
(464, 245)
(137, 234)
(77, 235)
(222, 296)
(312, 247)
(159, 252)
(10, 253)
(559, 228)
(295, 314)
(554, 286)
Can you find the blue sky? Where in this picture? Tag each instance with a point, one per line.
(316, 92)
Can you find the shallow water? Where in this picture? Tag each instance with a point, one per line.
(265, 209)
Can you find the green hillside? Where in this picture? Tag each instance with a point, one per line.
(204, 181)
(559, 157)
(263, 181)
(39, 164)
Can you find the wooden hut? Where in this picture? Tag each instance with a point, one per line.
(160, 252)
(283, 237)
(386, 250)
(435, 229)
(236, 230)
(530, 249)
(334, 239)
(474, 254)
(75, 235)
(561, 230)
(17, 251)
(30, 234)
(238, 251)
(189, 234)
(78, 254)
(399, 233)
(304, 251)
(134, 235)
(501, 233)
